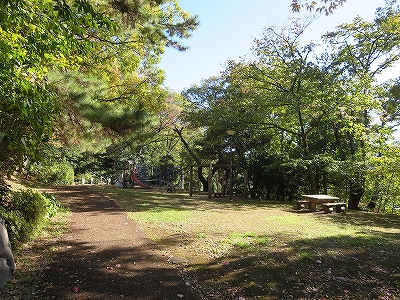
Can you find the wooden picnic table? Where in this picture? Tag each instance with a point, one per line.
(318, 199)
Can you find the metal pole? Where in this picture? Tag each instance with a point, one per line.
(210, 181)
(231, 179)
(191, 181)
(231, 132)
(246, 182)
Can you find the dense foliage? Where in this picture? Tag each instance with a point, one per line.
(25, 213)
(305, 122)
(79, 81)
(69, 73)
(82, 94)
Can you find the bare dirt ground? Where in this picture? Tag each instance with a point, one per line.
(105, 255)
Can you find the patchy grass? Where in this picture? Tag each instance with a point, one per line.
(261, 250)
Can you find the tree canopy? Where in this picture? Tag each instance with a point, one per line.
(81, 83)
(65, 64)
(303, 113)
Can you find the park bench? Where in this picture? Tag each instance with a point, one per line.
(302, 203)
(337, 206)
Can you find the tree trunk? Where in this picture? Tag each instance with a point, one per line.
(324, 183)
(310, 169)
(336, 132)
(356, 192)
(313, 186)
(203, 181)
(356, 189)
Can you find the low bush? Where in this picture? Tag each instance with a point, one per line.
(55, 174)
(25, 213)
(4, 189)
(53, 205)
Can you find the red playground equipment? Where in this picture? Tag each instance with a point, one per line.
(135, 178)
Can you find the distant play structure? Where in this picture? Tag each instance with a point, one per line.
(128, 179)
(135, 179)
(150, 177)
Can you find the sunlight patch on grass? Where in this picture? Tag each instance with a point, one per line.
(309, 227)
(157, 216)
(262, 240)
(239, 240)
(247, 240)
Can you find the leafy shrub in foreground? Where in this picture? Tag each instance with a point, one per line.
(53, 206)
(4, 189)
(25, 213)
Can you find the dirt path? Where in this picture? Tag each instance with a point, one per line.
(105, 255)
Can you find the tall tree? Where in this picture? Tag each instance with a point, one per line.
(292, 92)
(58, 35)
(129, 85)
(37, 36)
(362, 51)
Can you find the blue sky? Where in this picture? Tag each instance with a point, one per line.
(228, 28)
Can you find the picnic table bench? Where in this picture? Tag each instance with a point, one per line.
(337, 206)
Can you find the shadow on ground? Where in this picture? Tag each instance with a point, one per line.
(81, 272)
(339, 267)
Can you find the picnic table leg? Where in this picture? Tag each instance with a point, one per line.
(313, 206)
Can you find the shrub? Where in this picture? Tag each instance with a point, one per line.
(4, 189)
(53, 206)
(25, 213)
(63, 174)
(55, 174)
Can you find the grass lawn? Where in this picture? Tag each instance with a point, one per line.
(247, 249)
